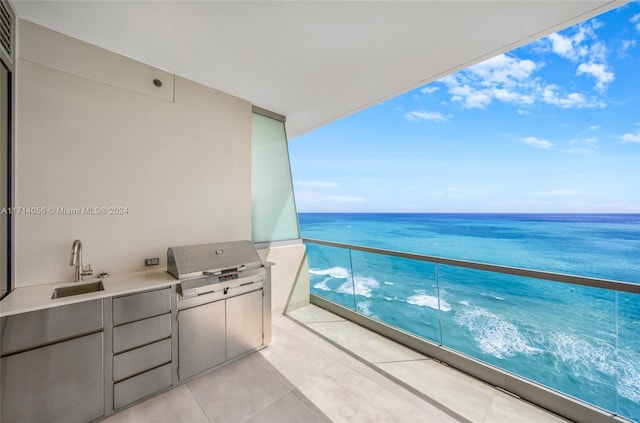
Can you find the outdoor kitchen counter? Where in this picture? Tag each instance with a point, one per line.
(38, 297)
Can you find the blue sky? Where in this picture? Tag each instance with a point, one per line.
(553, 126)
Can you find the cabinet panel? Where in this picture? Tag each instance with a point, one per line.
(29, 330)
(141, 306)
(143, 332)
(62, 382)
(244, 323)
(201, 338)
(144, 358)
(138, 387)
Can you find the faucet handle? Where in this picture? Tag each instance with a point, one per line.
(86, 270)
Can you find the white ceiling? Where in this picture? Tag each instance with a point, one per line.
(313, 62)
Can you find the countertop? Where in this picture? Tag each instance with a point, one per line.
(38, 297)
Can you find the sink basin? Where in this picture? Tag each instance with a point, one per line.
(84, 288)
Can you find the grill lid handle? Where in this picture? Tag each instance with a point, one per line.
(219, 272)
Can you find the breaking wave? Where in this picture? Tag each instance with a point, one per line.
(431, 301)
(493, 334)
(628, 376)
(362, 285)
(584, 356)
(333, 272)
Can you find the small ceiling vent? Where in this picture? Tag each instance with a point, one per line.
(6, 29)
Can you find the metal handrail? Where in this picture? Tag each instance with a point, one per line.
(630, 287)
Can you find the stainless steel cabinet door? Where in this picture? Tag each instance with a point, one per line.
(244, 323)
(62, 382)
(201, 338)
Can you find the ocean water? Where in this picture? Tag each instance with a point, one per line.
(582, 341)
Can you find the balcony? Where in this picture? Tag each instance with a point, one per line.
(304, 378)
(563, 342)
(346, 365)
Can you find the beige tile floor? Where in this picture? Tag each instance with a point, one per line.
(463, 396)
(303, 378)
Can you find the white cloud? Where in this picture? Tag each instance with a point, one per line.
(575, 46)
(470, 97)
(624, 46)
(418, 115)
(561, 45)
(629, 137)
(507, 96)
(503, 69)
(581, 146)
(508, 79)
(429, 89)
(536, 142)
(598, 71)
(502, 78)
(316, 184)
(582, 46)
(597, 52)
(636, 20)
(571, 100)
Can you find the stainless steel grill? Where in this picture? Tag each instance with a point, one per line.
(223, 302)
(226, 268)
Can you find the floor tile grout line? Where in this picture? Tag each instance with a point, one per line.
(270, 372)
(389, 376)
(198, 402)
(404, 385)
(267, 406)
(486, 414)
(375, 363)
(273, 373)
(302, 323)
(314, 408)
(324, 322)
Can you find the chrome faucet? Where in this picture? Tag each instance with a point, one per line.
(76, 260)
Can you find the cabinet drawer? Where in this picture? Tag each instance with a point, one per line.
(140, 359)
(36, 328)
(139, 333)
(141, 306)
(138, 387)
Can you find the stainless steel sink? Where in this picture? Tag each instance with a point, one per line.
(84, 288)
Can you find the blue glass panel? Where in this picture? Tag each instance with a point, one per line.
(330, 274)
(628, 368)
(397, 291)
(559, 335)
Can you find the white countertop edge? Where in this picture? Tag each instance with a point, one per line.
(38, 297)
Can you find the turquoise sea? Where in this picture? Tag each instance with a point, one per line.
(579, 340)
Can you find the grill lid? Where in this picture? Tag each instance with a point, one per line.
(211, 259)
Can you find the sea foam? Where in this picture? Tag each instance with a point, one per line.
(493, 334)
(334, 272)
(628, 375)
(583, 355)
(362, 285)
(424, 300)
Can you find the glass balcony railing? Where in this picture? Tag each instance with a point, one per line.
(577, 336)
